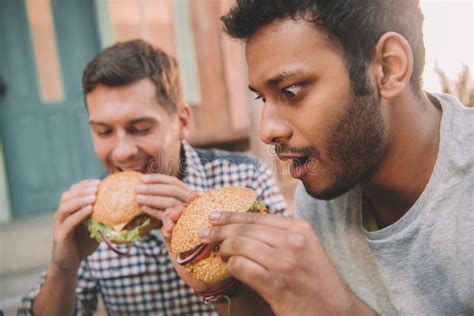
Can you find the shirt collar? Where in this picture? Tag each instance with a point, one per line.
(194, 168)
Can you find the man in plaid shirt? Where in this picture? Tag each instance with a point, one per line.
(138, 121)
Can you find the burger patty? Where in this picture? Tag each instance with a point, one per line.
(136, 221)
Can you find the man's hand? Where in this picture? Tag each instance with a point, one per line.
(71, 245)
(160, 192)
(283, 261)
(71, 242)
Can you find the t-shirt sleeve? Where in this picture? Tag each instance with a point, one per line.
(86, 294)
(268, 191)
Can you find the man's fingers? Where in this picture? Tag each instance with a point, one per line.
(252, 249)
(175, 212)
(158, 202)
(224, 218)
(169, 218)
(162, 178)
(270, 235)
(71, 206)
(163, 190)
(192, 196)
(157, 214)
(76, 218)
(85, 183)
(248, 272)
(85, 189)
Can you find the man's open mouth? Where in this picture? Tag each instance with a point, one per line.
(136, 168)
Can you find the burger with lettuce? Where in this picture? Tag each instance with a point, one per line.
(117, 217)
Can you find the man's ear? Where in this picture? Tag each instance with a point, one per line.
(184, 117)
(393, 64)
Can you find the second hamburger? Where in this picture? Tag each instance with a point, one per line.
(203, 261)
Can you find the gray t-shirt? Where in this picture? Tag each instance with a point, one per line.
(424, 263)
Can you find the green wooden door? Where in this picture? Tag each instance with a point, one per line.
(47, 146)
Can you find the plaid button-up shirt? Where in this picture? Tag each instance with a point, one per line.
(145, 282)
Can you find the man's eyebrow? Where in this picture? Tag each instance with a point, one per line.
(92, 122)
(142, 119)
(279, 77)
(131, 122)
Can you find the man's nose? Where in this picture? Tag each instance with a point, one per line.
(272, 125)
(125, 148)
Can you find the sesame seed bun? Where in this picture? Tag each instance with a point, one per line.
(195, 217)
(116, 203)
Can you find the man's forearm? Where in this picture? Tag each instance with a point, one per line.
(57, 295)
(246, 302)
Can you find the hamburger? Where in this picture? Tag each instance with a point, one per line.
(116, 216)
(200, 260)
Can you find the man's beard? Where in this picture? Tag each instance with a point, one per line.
(356, 146)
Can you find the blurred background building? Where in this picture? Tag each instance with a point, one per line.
(46, 46)
(44, 138)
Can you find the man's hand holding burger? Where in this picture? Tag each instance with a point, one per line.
(200, 265)
(158, 192)
(278, 257)
(129, 205)
(71, 244)
(283, 261)
(116, 211)
(153, 192)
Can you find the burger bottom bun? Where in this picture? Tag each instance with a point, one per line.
(154, 223)
(209, 270)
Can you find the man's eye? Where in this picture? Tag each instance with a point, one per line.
(259, 97)
(292, 91)
(140, 131)
(103, 132)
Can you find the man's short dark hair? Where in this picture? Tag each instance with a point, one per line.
(354, 25)
(126, 62)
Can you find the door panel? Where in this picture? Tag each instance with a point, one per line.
(59, 147)
(17, 63)
(77, 38)
(47, 145)
(27, 165)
